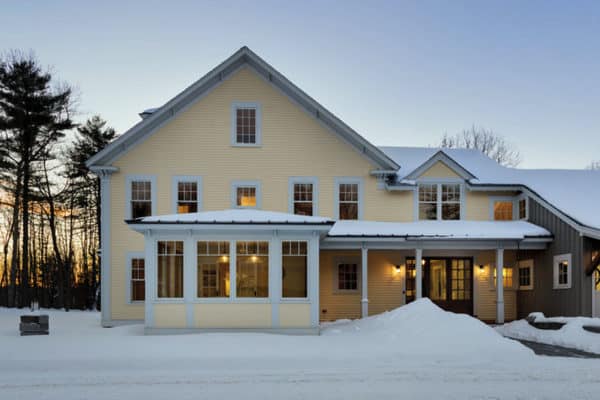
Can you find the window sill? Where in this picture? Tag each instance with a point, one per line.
(347, 292)
(294, 300)
(231, 300)
(561, 287)
(525, 289)
(246, 145)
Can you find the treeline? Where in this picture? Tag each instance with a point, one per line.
(49, 200)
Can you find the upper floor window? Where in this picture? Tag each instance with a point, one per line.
(141, 199)
(439, 201)
(348, 198)
(246, 194)
(522, 204)
(503, 210)
(246, 121)
(187, 197)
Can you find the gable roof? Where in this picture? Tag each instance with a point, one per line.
(574, 193)
(444, 158)
(244, 56)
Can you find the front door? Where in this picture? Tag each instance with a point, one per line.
(448, 282)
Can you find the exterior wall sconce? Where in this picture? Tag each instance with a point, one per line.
(481, 267)
(397, 267)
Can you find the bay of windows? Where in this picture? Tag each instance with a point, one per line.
(213, 269)
(439, 201)
(252, 269)
(294, 265)
(170, 269)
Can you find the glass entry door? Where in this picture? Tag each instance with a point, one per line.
(448, 282)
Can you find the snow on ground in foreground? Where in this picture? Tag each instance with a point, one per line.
(571, 335)
(417, 351)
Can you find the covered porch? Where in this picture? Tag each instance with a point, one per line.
(454, 263)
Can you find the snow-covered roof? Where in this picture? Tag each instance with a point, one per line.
(241, 216)
(576, 193)
(510, 230)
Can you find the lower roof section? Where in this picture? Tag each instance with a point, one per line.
(235, 216)
(499, 230)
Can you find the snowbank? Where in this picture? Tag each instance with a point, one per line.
(571, 335)
(422, 328)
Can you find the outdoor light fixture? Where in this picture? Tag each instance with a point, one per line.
(397, 268)
(481, 267)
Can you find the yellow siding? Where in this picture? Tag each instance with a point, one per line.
(386, 283)
(232, 315)
(197, 142)
(485, 306)
(335, 305)
(439, 170)
(169, 316)
(478, 204)
(294, 315)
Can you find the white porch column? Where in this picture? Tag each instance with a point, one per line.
(364, 302)
(150, 277)
(499, 286)
(418, 273)
(313, 279)
(275, 276)
(189, 278)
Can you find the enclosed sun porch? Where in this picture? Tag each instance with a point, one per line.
(269, 271)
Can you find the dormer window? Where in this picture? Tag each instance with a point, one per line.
(246, 124)
(439, 201)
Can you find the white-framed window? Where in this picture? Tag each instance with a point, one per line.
(187, 194)
(140, 196)
(562, 270)
(303, 195)
(246, 194)
(507, 277)
(522, 207)
(348, 198)
(294, 269)
(439, 201)
(246, 121)
(525, 278)
(252, 269)
(136, 273)
(170, 269)
(346, 275)
(213, 273)
(503, 210)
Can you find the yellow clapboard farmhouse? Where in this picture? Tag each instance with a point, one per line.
(243, 204)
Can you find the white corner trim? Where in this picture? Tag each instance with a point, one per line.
(186, 178)
(240, 104)
(105, 245)
(153, 190)
(314, 181)
(244, 183)
(337, 181)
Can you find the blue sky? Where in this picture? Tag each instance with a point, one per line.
(400, 73)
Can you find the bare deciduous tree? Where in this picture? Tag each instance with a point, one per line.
(595, 165)
(487, 141)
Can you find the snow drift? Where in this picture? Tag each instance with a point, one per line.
(423, 328)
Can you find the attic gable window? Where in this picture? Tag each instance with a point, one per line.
(246, 124)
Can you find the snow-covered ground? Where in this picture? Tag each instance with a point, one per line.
(417, 351)
(571, 335)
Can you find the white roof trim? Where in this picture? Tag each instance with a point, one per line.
(243, 56)
(440, 156)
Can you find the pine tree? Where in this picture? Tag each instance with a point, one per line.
(92, 137)
(34, 116)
